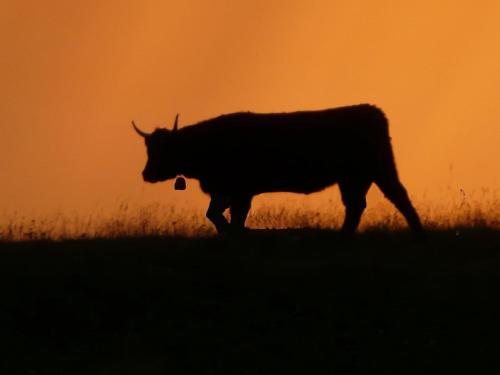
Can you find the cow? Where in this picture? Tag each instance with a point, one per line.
(239, 155)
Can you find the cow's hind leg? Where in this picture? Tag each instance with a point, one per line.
(216, 208)
(396, 193)
(354, 198)
(240, 206)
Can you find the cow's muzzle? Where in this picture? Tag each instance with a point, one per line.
(147, 177)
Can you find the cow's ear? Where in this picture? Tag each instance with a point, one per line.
(176, 123)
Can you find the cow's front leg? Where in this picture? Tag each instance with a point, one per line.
(216, 208)
(240, 206)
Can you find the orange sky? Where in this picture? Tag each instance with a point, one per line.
(75, 73)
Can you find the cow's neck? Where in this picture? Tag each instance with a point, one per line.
(186, 162)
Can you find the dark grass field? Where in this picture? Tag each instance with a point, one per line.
(271, 302)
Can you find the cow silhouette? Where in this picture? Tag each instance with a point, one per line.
(239, 155)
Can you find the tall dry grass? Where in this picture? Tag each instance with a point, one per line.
(479, 209)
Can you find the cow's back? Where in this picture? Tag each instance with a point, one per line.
(300, 151)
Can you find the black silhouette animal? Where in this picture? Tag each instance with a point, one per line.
(239, 155)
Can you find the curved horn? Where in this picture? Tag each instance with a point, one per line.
(176, 123)
(139, 131)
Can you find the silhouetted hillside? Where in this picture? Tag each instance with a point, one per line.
(272, 302)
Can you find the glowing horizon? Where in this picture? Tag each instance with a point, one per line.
(75, 74)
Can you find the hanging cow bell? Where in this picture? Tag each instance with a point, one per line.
(180, 183)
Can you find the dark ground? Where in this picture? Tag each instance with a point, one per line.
(282, 302)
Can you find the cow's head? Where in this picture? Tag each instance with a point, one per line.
(162, 153)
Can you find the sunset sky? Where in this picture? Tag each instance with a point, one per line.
(75, 73)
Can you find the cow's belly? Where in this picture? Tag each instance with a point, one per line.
(284, 187)
(274, 175)
(299, 178)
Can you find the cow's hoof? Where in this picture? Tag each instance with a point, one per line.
(420, 237)
(223, 229)
(347, 235)
(235, 231)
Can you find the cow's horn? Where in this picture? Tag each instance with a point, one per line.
(176, 123)
(139, 131)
